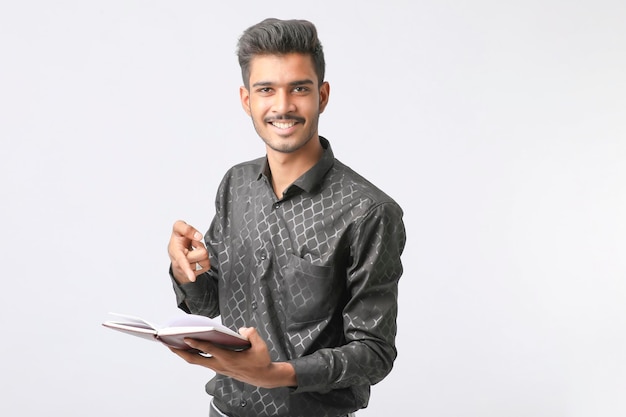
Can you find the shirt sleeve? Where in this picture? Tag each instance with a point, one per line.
(199, 297)
(370, 315)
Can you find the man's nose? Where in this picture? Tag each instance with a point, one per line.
(283, 102)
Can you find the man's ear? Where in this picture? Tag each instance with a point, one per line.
(244, 96)
(324, 95)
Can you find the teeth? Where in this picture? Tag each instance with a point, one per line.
(283, 125)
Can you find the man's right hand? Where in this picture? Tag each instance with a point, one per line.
(187, 253)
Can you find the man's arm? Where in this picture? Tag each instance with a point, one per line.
(370, 314)
(253, 366)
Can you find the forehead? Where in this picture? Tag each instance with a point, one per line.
(282, 68)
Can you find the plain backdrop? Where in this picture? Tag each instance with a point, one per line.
(499, 126)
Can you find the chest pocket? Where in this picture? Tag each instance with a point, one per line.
(311, 291)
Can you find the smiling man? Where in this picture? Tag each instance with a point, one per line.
(302, 256)
(284, 97)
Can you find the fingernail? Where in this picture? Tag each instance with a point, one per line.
(198, 236)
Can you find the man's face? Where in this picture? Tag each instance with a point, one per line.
(284, 100)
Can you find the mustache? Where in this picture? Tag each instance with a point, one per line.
(284, 117)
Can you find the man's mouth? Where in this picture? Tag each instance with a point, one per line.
(284, 125)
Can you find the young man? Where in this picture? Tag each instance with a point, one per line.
(303, 254)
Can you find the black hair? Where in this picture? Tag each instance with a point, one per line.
(278, 37)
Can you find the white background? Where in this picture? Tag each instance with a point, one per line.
(499, 126)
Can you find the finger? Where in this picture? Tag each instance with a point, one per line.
(199, 260)
(253, 336)
(202, 346)
(180, 262)
(197, 244)
(185, 266)
(199, 257)
(181, 228)
(250, 333)
(197, 253)
(186, 237)
(193, 357)
(202, 267)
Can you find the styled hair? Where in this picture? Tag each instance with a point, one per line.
(279, 37)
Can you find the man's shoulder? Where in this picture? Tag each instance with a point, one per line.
(350, 179)
(247, 168)
(256, 162)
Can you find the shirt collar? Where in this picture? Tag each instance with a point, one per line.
(313, 177)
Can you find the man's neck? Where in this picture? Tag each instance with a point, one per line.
(288, 167)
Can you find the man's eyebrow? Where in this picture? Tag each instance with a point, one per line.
(291, 84)
(301, 82)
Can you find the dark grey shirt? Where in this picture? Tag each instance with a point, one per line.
(316, 272)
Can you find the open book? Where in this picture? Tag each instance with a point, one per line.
(173, 333)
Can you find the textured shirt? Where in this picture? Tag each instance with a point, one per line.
(316, 272)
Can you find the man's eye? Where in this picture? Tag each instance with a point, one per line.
(265, 90)
(300, 89)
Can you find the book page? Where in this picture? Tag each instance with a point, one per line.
(139, 331)
(133, 321)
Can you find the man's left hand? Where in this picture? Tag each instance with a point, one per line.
(253, 365)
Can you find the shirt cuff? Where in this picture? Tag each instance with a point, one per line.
(185, 291)
(311, 374)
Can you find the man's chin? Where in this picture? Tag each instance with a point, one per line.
(283, 144)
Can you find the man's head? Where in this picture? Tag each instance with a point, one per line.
(284, 90)
(280, 37)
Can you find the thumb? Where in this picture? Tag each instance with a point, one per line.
(251, 334)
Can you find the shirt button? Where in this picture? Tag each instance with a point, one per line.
(254, 305)
(243, 403)
(263, 256)
(276, 206)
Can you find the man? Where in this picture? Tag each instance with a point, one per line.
(302, 256)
